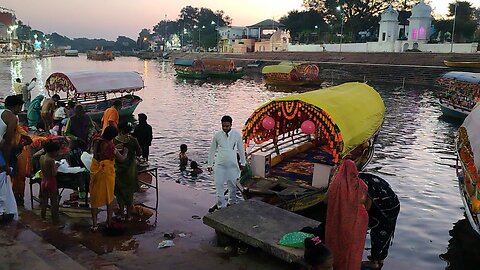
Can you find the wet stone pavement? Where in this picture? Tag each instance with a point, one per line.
(74, 246)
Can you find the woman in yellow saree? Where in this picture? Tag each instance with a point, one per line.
(102, 174)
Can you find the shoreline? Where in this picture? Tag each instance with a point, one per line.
(393, 68)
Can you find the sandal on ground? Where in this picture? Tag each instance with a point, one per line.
(94, 228)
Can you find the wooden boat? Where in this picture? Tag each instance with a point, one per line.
(94, 90)
(464, 64)
(186, 68)
(468, 157)
(461, 93)
(71, 53)
(207, 68)
(294, 74)
(452, 110)
(284, 159)
(222, 69)
(100, 55)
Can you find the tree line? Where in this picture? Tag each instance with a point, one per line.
(322, 21)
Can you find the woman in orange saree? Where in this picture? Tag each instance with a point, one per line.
(347, 217)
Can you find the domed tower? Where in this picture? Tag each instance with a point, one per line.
(420, 22)
(388, 26)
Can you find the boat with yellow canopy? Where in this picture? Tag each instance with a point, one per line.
(462, 64)
(292, 74)
(295, 143)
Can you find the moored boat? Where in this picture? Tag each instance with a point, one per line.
(468, 162)
(294, 74)
(100, 55)
(464, 64)
(295, 143)
(461, 93)
(207, 68)
(93, 90)
(71, 53)
(187, 68)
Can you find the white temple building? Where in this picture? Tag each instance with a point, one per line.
(418, 34)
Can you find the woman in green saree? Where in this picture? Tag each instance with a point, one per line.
(126, 183)
(33, 111)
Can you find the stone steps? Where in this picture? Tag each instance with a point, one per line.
(31, 252)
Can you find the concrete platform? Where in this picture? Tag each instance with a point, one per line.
(261, 225)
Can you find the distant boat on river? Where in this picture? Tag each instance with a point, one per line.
(292, 74)
(72, 53)
(461, 93)
(464, 64)
(100, 55)
(207, 68)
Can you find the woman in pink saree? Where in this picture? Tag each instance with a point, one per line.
(347, 217)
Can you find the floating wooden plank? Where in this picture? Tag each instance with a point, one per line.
(261, 225)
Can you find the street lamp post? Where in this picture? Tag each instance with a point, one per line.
(453, 29)
(216, 34)
(339, 8)
(316, 32)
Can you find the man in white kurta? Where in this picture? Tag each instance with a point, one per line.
(223, 158)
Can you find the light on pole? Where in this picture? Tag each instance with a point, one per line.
(339, 8)
(200, 31)
(453, 28)
(183, 36)
(316, 32)
(216, 34)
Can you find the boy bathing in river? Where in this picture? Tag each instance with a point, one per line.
(183, 157)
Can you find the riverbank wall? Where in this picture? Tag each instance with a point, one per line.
(392, 68)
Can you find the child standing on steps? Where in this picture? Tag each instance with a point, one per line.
(48, 185)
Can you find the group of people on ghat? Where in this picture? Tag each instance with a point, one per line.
(115, 148)
(355, 202)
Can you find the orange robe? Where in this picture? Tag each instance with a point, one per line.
(110, 114)
(24, 165)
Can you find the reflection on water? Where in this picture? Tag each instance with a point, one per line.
(463, 252)
(414, 153)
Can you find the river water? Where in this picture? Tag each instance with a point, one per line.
(415, 149)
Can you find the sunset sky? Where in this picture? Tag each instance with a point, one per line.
(111, 18)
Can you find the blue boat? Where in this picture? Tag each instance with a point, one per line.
(452, 110)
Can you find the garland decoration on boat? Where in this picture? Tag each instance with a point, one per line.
(457, 85)
(288, 116)
(58, 82)
(466, 156)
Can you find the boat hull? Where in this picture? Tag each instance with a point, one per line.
(454, 111)
(226, 76)
(190, 74)
(461, 64)
(292, 82)
(473, 218)
(96, 114)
